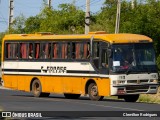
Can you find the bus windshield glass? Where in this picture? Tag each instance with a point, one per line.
(133, 58)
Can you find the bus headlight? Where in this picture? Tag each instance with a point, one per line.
(154, 81)
(118, 82)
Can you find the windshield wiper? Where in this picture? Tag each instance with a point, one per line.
(130, 66)
(129, 69)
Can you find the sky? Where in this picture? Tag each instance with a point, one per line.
(33, 7)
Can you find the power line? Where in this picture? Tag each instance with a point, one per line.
(2, 15)
(92, 2)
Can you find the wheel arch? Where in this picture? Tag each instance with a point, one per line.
(35, 78)
(88, 83)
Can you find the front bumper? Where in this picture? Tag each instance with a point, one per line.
(135, 89)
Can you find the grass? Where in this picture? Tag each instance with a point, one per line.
(150, 98)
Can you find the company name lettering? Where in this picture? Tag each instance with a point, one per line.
(54, 69)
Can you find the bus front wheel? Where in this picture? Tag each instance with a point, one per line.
(93, 92)
(131, 98)
(37, 89)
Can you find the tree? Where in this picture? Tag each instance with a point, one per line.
(105, 20)
(32, 24)
(18, 25)
(68, 19)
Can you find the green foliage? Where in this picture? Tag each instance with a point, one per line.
(67, 20)
(32, 24)
(18, 25)
(105, 20)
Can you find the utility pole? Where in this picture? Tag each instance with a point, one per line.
(11, 7)
(132, 4)
(87, 17)
(118, 16)
(49, 3)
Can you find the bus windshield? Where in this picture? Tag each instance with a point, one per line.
(133, 58)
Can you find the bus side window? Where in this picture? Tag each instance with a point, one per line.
(96, 54)
(104, 58)
(12, 50)
(96, 50)
(73, 51)
(37, 50)
(8, 49)
(30, 51)
(23, 50)
(55, 50)
(64, 51)
(46, 49)
(68, 51)
(78, 54)
(80, 50)
(86, 50)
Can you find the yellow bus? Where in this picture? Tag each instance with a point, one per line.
(97, 64)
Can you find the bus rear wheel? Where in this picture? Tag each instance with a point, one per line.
(93, 92)
(131, 98)
(37, 89)
(71, 96)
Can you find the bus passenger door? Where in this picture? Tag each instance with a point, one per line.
(100, 61)
(100, 57)
(103, 66)
(104, 82)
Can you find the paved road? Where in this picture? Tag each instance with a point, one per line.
(11, 100)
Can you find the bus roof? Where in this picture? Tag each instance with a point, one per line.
(111, 38)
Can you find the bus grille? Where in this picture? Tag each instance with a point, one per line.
(136, 89)
(137, 81)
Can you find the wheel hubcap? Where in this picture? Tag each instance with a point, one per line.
(36, 88)
(94, 91)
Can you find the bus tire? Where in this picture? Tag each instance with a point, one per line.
(93, 92)
(72, 96)
(37, 89)
(131, 98)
